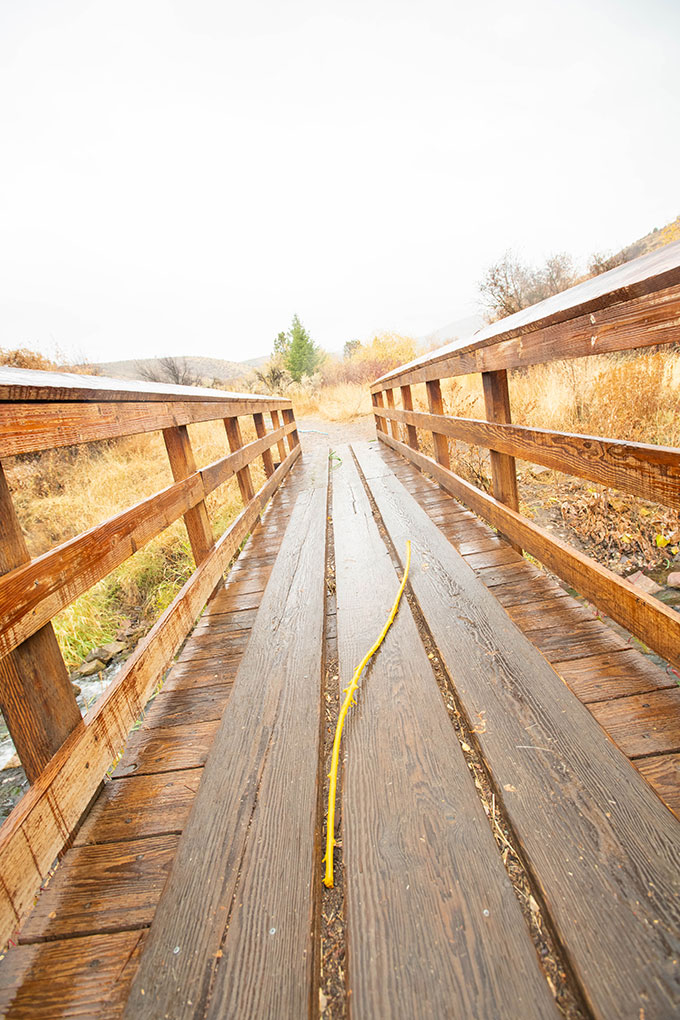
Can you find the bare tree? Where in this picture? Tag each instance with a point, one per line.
(169, 370)
(509, 285)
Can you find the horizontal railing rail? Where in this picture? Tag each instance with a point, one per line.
(65, 756)
(634, 306)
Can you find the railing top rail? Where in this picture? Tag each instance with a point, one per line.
(21, 385)
(646, 275)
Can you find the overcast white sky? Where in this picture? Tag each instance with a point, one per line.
(181, 177)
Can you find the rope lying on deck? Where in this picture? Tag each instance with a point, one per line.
(349, 699)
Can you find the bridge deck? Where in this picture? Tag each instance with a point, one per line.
(193, 887)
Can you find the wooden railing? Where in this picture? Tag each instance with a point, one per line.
(634, 306)
(66, 757)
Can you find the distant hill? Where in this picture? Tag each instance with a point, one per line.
(204, 370)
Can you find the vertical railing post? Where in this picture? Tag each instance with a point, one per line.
(261, 431)
(183, 464)
(37, 698)
(276, 424)
(436, 406)
(394, 425)
(380, 423)
(245, 482)
(293, 437)
(407, 404)
(503, 471)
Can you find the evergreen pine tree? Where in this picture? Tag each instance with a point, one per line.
(303, 356)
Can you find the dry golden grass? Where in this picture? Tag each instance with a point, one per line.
(63, 493)
(337, 402)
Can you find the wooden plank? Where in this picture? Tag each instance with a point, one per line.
(380, 423)
(419, 857)
(46, 816)
(599, 842)
(612, 675)
(245, 481)
(276, 424)
(27, 428)
(393, 427)
(102, 889)
(642, 469)
(167, 749)
(638, 296)
(441, 443)
(289, 419)
(129, 809)
(37, 699)
(261, 432)
(222, 470)
(411, 431)
(662, 772)
(85, 977)
(182, 707)
(497, 406)
(183, 465)
(645, 617)
(259, 791)
(642, 724)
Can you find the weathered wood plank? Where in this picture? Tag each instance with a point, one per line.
(36, 695)
(183, 465)
(167, 749)
(411, 431)
(642, 469)
(27, 428)
(128, 809)
(610, 675)
(46, 816)
(503, 472)
(86, 977)
(102, 889)
(259, 792)
(651, 621)
(276, 424)
(434, 928)
(601, 845)
(642, 724)
(436, 405)
(245, 481)
(261, 432)
(662, 772)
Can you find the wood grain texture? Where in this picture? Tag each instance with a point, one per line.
(46, 816)
(276, 424)
(183, 465)
(102, 889)
(245, 481)
(643, 724)
(434, 928)
(129, 809)
(642, 469)
(378, 401)
(392, 424)
(601, 845)
(645, 617)
(261, 432)
(610, 675)
(289, 419)
(497, 406)
(435, 403)
(662, 772)
(26, 428)
(37, 699)
(259, 793)
(85, 977)
(167, 748)
(411, 431)
(637, 297)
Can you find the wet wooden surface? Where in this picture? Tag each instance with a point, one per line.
(81, 948)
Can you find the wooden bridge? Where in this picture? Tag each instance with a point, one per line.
(508, 844)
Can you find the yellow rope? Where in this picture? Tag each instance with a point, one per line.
(349, 695)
